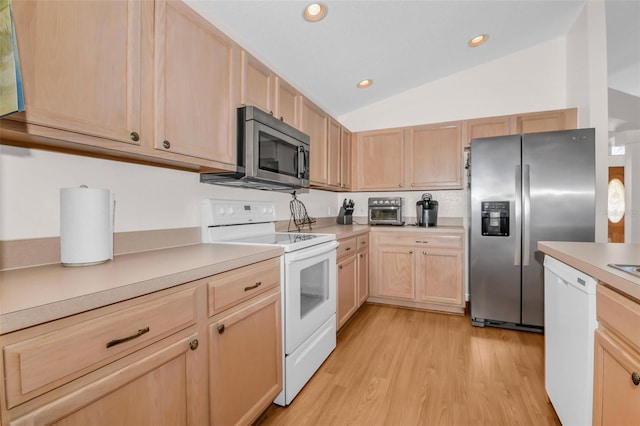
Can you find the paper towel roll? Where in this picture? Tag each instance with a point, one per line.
(86, 226)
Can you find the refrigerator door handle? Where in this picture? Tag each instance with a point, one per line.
(526, 217)
(518, 208)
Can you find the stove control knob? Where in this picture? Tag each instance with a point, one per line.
(221, 211)
(230, 210)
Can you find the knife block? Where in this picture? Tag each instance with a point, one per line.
(345, 216)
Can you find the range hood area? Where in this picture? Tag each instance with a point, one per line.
(271, 154)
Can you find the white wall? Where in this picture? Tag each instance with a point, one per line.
(587, 89)
(533, 79)
(146, 197)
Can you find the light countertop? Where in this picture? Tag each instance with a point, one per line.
(592, 259)
(35, 295)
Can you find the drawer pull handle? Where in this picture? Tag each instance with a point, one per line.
(252, 287)
(220, 328)
(126, 339)
(193, 345)
(423, 242)
(635, 377)
(348, 248)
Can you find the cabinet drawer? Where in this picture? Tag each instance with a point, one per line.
(422, 240)
(620, 314)
(347, 247)
(230, 288)
(363, 242)
(41, 363)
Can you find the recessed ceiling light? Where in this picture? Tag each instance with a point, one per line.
(365, 83)
(478, 40)
(315, 12)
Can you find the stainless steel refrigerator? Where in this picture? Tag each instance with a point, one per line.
(524, 189)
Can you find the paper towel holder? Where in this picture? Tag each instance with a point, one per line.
(86, 225)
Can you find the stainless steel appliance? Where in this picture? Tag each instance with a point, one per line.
(271, 154)
(427, 211)
(385, 211)
(308, 283)
(525, 189)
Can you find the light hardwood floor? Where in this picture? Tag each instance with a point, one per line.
(397, 366)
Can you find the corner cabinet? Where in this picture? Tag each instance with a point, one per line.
(380, 160)
(196, 88)
(616, 393)
(418, 269)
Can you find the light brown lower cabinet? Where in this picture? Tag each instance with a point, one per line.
(353, 276)
(159, 359)
(417, 269)
(245, 366)
(616, 394)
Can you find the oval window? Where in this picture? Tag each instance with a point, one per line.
(616, 200)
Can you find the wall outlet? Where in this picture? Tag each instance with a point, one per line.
(328, 210)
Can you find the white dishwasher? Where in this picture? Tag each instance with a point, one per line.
(569, 325)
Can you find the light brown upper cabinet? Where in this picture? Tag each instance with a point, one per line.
(334, 154)
(545, 121)
(257, 83)
(433, 156)
(380, 160)
(314, 122)
(412, 158)
(486, 127)
(81, 66)
(287, 103)
(196, 87)
(345, 160)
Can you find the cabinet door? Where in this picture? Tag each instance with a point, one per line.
(154, 389)
(616, 398)
(345, 159)
(347, 289)
(486, 127)
(315, 123)
(396, 272)
(433, 156)
(257, 83)
(287, 103)
(363, 277)
(334, 152)
(245, 370)
(546, 121)
(439, 275)
(380, 160)
(81, 65)
(196, 86)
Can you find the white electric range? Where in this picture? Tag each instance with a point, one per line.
(308, 282)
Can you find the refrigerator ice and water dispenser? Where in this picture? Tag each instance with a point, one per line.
(495, 218)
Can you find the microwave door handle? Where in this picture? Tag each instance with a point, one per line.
(303, 162)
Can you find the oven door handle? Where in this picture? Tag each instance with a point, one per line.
(299, 255)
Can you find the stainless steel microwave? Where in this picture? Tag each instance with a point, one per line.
(271, 154)
(385, 211)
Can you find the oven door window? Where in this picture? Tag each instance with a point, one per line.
(385, 214)
(314, 287)
(277, 156)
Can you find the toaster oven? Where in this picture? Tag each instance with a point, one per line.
(385, 211)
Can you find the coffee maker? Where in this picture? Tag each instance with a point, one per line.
(427, 211)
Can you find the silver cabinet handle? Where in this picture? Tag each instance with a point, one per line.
(126, 339)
